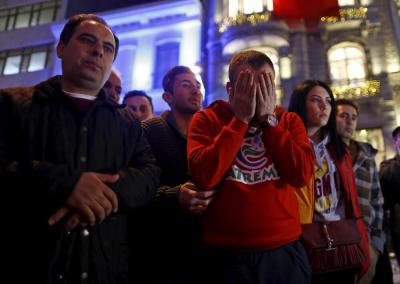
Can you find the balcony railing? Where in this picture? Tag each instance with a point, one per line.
(347, 14)
(367, 88)
(252, 19)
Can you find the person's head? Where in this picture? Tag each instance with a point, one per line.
(249, 59)
(396, 138)
(140, 103)
(87, 48)
(112, 87)
(347, 112)
(314, 102)
(182, 91)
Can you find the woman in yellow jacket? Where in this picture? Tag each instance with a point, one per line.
(331, 195)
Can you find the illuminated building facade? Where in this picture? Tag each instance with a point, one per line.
(357, 52)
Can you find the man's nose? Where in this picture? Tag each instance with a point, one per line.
(98, 50)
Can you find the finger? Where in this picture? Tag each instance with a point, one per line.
(72, 222)
(197, 209)
(105, 203)
(190, 185)
(87, 215)
(242, 81)
(205, 194)
(107, 177)
(112, 198)
(56, 217)
(98, 211)
(270, 82)
(264, 84)
(202, 202)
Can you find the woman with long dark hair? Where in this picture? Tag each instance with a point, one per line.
(331, 195)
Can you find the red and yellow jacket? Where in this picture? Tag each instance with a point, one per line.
(254, 175)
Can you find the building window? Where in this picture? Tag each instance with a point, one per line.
(246, 7)
(29, 15)
(24, 60)
(347, 64)
(344, 3)
(167, 56)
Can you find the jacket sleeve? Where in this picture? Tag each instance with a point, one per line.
(389, 182)
(290, 149)
(17, 170)
(376, 231)
(139, 181)
(211, 152)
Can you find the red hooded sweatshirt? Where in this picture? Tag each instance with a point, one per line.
(254, 172)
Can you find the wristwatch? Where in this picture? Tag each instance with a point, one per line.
(271, 121)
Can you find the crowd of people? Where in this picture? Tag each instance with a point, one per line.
(242, 191)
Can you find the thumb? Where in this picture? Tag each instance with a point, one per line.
(107, 177)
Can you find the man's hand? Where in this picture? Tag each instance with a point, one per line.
(92, 200)
(242, 97)
(194, 201)
(266, 96)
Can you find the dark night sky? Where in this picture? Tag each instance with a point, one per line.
(96, 6)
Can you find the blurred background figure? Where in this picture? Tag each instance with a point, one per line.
(140, 103)
(390, 181)
(112, 87)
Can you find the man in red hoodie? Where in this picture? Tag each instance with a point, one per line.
(254, 162)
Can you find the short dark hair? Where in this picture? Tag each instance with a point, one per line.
(348, 102)
(255, 59)
(138, 93)
(297, 104)
(75, 21)
(170, 77)
(396, 132)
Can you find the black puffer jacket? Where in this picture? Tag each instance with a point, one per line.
(42, 124)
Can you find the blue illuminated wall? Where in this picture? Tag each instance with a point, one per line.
(140, 30)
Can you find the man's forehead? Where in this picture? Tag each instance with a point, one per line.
(347, 109)
(186, 77)
(93, 27)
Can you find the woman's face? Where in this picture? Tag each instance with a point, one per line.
(318, 106)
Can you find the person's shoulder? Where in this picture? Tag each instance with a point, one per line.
(154, 122)
(17, 94)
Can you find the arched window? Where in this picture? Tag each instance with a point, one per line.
(347, 64)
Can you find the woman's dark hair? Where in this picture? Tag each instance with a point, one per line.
(75, 21)
(297, 104)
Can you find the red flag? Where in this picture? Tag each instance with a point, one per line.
(305, 9)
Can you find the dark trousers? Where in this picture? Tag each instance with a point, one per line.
(286, 264)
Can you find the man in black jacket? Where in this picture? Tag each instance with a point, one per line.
(170, 228)
(74, 164)
(390, 181)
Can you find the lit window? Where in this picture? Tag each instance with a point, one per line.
(233, 8)
(12, 65)
(250, 7)
(167, 56)
(23, 17)
(347, 64)
(346, 2)
(29, 15)
(236, 7)
(37, 61)
(46, 16)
